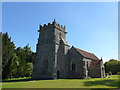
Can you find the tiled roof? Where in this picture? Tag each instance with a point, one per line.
(87, 54)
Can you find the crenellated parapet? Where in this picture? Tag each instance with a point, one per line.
(53, 24)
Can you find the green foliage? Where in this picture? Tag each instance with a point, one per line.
(14, 66)
(16, 62)
(28, 70)
(7, 55)
(113, 66)
(25, 67)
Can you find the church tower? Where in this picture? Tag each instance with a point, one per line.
(51, 52)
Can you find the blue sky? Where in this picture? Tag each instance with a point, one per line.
(91, 26)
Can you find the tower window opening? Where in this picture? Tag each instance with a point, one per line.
(73, 67)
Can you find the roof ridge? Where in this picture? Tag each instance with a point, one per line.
(87, 54)
(85, 51)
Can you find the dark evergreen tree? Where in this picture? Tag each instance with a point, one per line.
(8, 48)
(16, 62)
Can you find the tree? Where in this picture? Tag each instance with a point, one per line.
(29, 67)
(7, 55)
(27, 53)
(25, 56)
(16, 62)
(14, 66)
(112, 65)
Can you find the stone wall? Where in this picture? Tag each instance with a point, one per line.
(55, 59)
(75, 60)
(51, 44)
(45, 47)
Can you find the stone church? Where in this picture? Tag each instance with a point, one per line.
(55, 59)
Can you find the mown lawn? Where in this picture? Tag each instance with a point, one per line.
(63, 83)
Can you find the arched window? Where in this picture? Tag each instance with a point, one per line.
(87, 64)
(73, 67)
(45, 64)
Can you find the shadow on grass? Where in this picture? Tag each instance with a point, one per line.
(18, 80)
(111, 83)
(24, 80)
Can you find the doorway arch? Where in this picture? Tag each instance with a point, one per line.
(58, 74)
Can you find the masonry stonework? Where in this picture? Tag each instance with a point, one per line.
(55, 59)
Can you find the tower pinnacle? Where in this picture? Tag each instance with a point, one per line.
(54, 20)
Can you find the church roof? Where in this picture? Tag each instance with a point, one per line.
(87, 54)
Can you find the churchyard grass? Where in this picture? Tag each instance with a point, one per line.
(62, 83)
